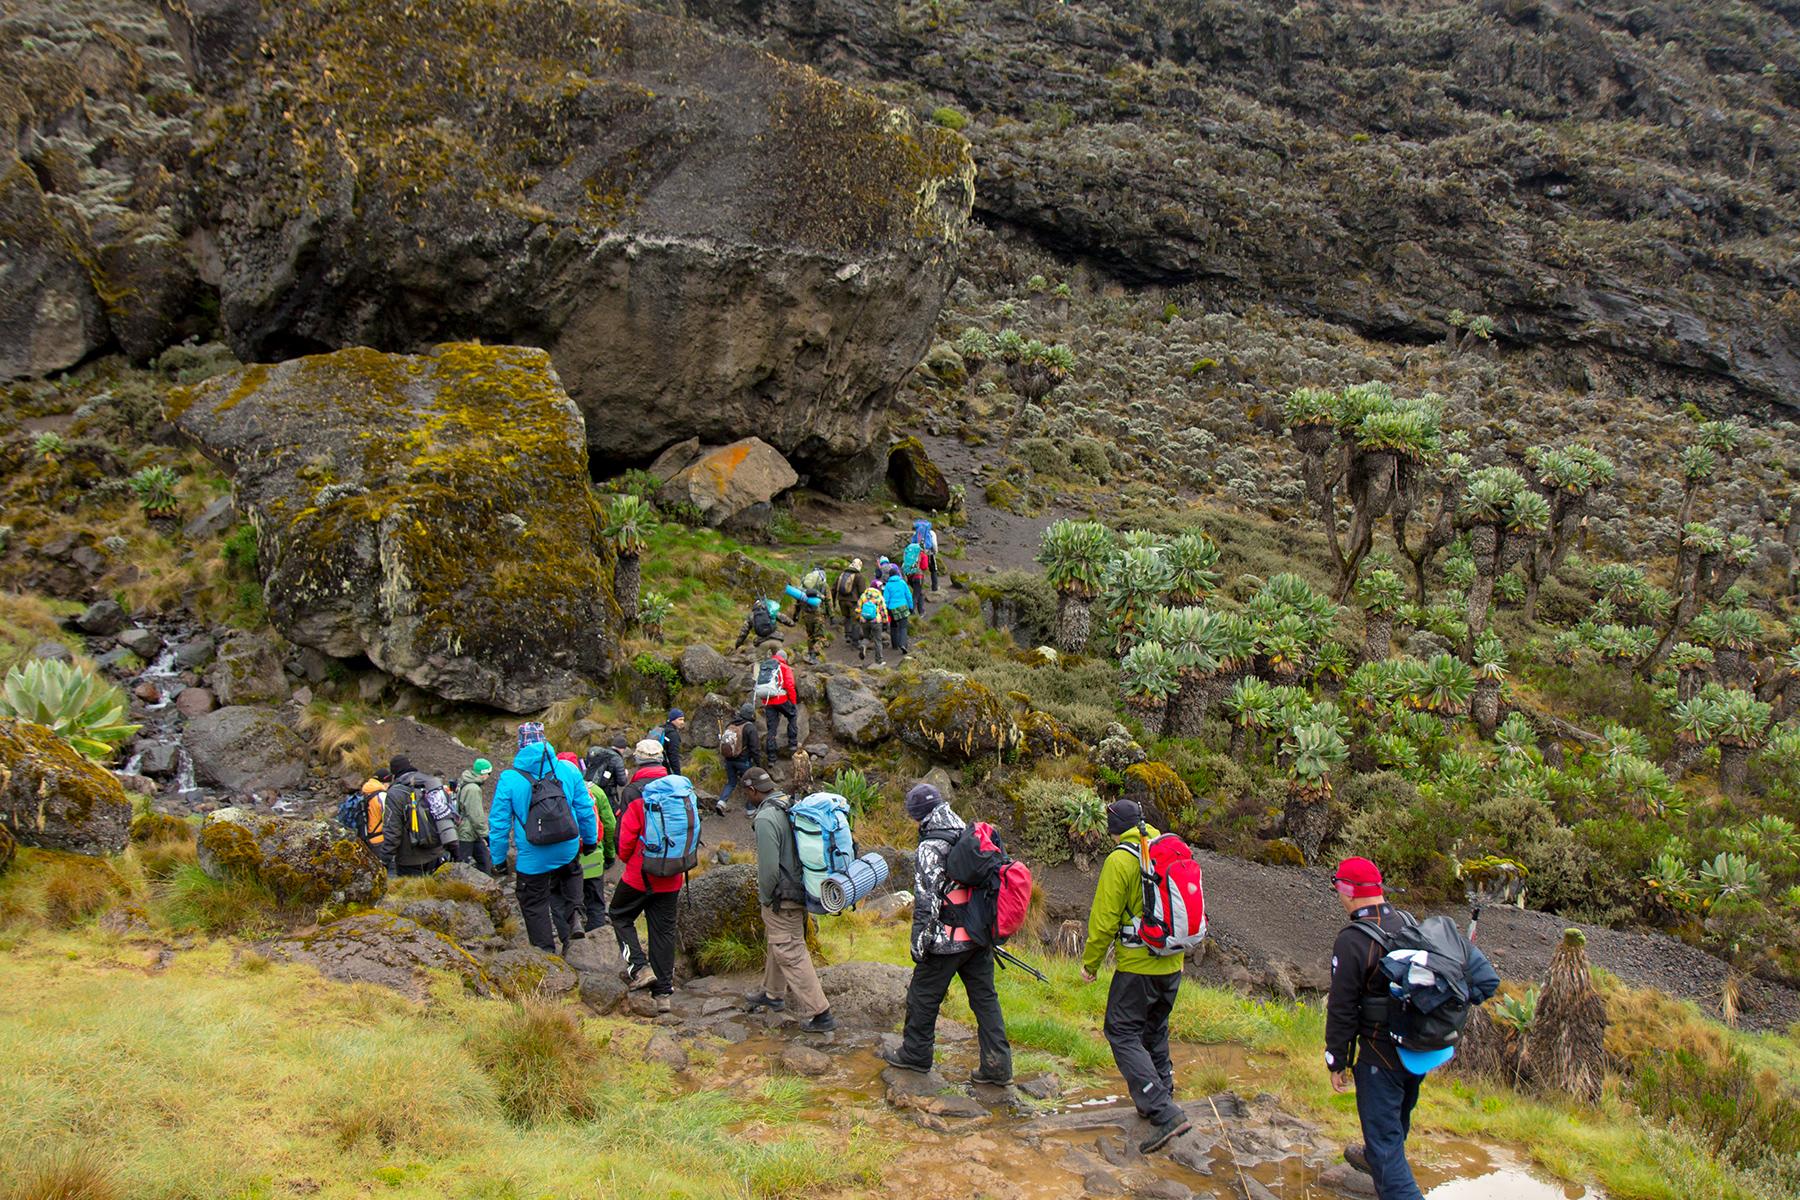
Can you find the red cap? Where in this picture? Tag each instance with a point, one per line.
(567, 757)
(1358, 877)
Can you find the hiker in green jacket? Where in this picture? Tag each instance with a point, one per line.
(1144, 985)
(593, 866)
(471, 817)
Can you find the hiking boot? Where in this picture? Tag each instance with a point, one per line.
(758, 1001)
(892, 1058)
(719, 807)
(1353, 1154)
(665, 1004)
(986, 1080)
(822, 1023)
(638, 978)
(1164, 1134)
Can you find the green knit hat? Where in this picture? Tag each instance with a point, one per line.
(483, 767)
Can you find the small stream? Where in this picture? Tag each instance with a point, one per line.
(1075, 1145)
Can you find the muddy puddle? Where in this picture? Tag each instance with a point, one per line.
(1080, 1141)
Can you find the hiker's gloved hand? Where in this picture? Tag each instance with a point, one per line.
(588, 848)
(1087, 976)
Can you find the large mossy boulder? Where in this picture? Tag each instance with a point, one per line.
(727, 481)
(952, 717)
(50, 318)
(719, 904)
(429, 511)
(381, 948)
(692, 227)
(305, 863)
(915, 479)
(52, 797)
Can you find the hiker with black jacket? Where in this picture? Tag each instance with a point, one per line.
(738, 751)
(763, 623)
(423, 855)
(1358, 1049)
(942, 952)
(669, 734)
(847, 590)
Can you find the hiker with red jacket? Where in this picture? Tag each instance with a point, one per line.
(655, 897)
(942, 952)
(784, 703)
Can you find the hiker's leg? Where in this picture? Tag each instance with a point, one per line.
(659, 914)
(977, 973)
(924, 996)
(627, 903)
(593, 902)
(459, 851)
(918, 590)
(534, 905)
(771, 726)
(793, 964)
(934, 586)
(1380, 1100)
(484, 862)
(1164, 989)
(1411, 1099)
(1127, 1008)
(734, 767)
(565, 901)
(791, 711)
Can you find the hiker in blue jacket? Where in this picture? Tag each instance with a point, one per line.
(549, 877)
(899, 596)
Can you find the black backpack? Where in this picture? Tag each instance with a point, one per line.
(549, 819)
(848, 585)
(1424, 1009)
(607, 772)
(761, 621)
(999, 886)
(407, 801)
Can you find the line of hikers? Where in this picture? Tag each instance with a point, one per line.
(872, 609)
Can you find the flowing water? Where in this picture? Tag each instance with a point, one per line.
(1027, 1155)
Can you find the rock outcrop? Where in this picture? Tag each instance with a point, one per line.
(857, 713)
(915, 479)
(302, 862)
(244, 749)
(707, 239)
(720, 904)
(381, 948)
(53, 798)
(728, 480)
(429, 511)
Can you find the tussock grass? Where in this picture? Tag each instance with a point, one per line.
(540, 1061)
(26, 620)
(192, 901)
(340, 732)
(725, 955)
(69, 1173)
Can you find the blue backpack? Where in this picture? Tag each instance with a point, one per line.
(671, 827)
(922, 533)
(353, 814)
(822, 840)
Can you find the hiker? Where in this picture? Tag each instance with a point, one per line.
(763, 623)
(604, 768)
(738, 743)
(418, 811)
(642, 891)
(471, 817)
(669, 734)
(872, 615)
(847, 592)
(1144, 985)
(898, 594)
(544, 799)
(1359, 1048)
(812, 619)
(788, 974)
(913, 562)
(374, 818)
(780, 697)
(594, 862)
(942, 952)
(927, 537)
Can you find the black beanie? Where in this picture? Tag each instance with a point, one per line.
(400, 765)
(921, 800)
(1122, 815)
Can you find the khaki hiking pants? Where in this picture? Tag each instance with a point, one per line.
(788, 972)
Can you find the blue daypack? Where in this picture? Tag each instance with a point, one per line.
(922, 532)
(821, 824)
(671, 827)
(353, 814)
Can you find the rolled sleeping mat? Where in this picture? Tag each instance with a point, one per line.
(857, 882)
(801, 595)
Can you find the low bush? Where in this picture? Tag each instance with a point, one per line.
(1044, 457)
(77, 889)
(1746, 1117)
(1024, 602)
(1088, 455)
(1061, 819)
(540, 1061)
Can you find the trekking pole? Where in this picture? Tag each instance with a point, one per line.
(1474, 920)
(1224, 1133)
(1004, 957)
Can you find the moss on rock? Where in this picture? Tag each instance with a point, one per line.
(431, 511)
(302, 862)
(952, 717)
(159, 827)
(1158, 789)
(915, 478)
(52, 797)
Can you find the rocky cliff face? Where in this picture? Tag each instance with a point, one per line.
(1612, 176)
(428, 511)
(709, 241)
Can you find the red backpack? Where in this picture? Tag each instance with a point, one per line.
(999, 888)
(1174, 919)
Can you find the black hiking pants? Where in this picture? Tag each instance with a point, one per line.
(548, 903)
(593, 902)
(897, 631)
(774, 713)
(1137, 1029)
(870, 636)
(658, 909)
(930, 983)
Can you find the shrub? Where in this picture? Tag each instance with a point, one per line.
(239, 552)
(657, 670)
(948, 118)
(540, 1060)
(1022, 601)
(1061, 819)
(1088, 456)
(1002, 494)
(80, 707)
(855, 787)
(1748, 1118)
(1044, 457)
